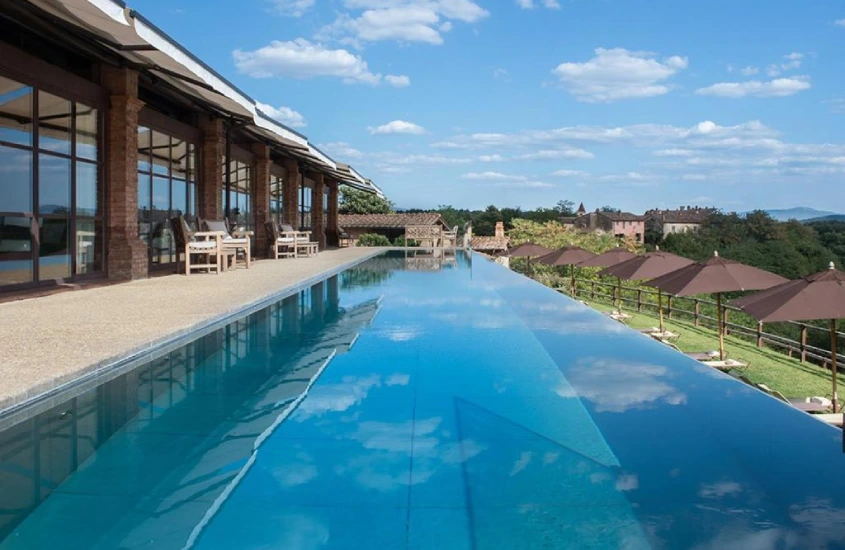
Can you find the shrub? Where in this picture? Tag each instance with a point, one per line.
(400, 241)
(373, 239)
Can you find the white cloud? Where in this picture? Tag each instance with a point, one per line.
(790, 61)
(555, 154)
(398, 81)
(292, 8)
(693, 177)
(342, 150)
(303, 59)
(839, 22)
(530, 4)
(779, 87)
(837, 105)
(491, 158)
(569, 174)
(285, 115)
(616, 74)
(749, 71)
(492, 176)
(397, 127)
(400, 20)
(501, 74)
(673, 153)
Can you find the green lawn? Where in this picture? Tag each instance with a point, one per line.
(776, 370)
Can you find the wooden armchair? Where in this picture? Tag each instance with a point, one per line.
(301, 240)
(281, 246)
(189, 242)
(239, 243)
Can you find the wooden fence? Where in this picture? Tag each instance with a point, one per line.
(644, 298)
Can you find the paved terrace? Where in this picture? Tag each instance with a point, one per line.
(51, 340)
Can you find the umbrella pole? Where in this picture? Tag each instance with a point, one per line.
(660, 307)
(833, 363)
(572, 270)
(619, 294)
(719, 325)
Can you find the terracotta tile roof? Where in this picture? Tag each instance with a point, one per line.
(489, 243)
(382, 221)
(622, 217)
(684, 215)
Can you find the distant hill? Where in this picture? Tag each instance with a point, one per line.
(799, 213)
(830, 218)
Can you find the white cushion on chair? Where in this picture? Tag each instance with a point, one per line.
(232, 240)
(284, 240)
(202, 245)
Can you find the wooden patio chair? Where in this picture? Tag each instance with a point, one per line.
(239, 242)
(280, 246)
(301, 240)
(343, 238)
(207, 246)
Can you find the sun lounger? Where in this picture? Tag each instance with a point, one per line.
(724, 365)
(809, 404)
(697, 355)
(829, 418)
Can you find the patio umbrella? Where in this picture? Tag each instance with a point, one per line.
(571, 256)
(648, 266)
(527, 250)
(819, 296)
(610, 258)
(714, 276)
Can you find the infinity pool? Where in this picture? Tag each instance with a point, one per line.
(412, 402)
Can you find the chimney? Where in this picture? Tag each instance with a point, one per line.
(500, 230)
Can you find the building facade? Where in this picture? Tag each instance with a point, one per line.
(680, 220)
(108, 129)
(619, 224)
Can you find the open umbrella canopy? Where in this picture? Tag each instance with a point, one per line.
(527, 250)
(647, 266)
(713, 276)
(571, 255)
(819, 296)
(609, 258)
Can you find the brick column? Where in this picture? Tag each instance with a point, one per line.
(318, 226)
(261, 197)
(331, 216)
(126, 256)
(211, 181)
(290, 193)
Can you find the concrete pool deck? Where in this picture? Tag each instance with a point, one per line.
(50, 341)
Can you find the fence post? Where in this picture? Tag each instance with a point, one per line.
(639, 299)
(592, 290)
(803, 343)
(697, 313)
(759, 334)
(669, 307)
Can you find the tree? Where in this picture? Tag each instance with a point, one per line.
(353, 201)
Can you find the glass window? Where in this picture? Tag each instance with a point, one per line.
(87, 189)
(54, 184)
(15, 180)
(160, 153)
(54, 248)
(276, 198)
(15, 112)
(86, 132)
(66, 132)
(15, 249)
(304, 207)
(144, 150)
(54, 116)
(239, 207)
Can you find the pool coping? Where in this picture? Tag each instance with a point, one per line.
(47, 394)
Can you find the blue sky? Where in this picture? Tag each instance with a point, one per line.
(630, 103)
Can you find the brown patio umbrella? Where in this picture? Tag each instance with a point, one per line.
(819, 296)
(571, 256)
(648, 266)
(714, 276)
(611, 257)
(527, 250)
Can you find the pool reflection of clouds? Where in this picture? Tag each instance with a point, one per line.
(618, 386)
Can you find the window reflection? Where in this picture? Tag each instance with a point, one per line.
(54, 116)
(15, 112)
(86, 132)
(240, 188)
(276, 198)
(15, 180)
(86, 189)
(89, 245)
(54, 190)
(15, 249)
(54, 248)
(304, 207)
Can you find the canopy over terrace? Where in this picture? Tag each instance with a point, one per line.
(84, 53)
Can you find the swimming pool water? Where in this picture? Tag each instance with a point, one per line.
(412, 403)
